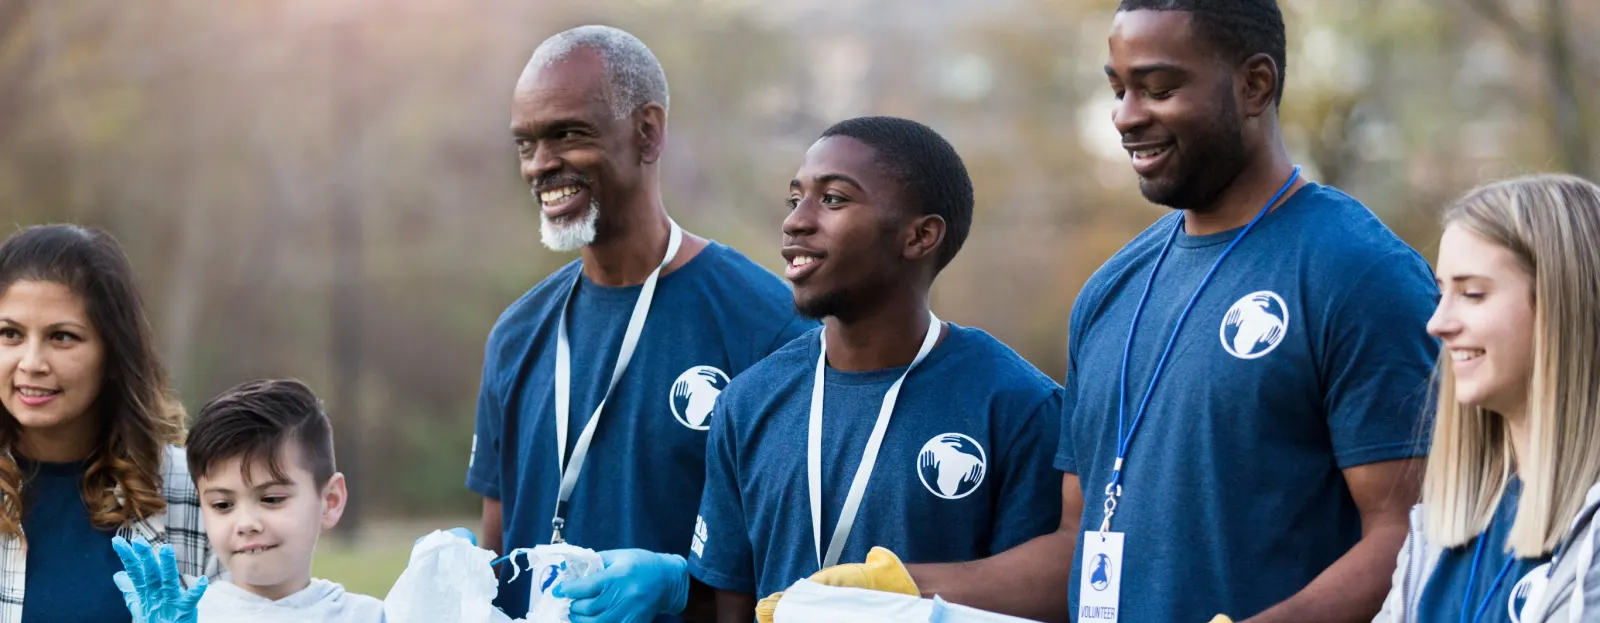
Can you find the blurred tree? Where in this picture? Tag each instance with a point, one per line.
(223, 143)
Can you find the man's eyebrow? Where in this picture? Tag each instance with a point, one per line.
(1141, 71)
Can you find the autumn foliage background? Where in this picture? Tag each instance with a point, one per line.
(326, 189)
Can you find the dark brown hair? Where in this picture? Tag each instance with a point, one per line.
(139, 415)
(255, 421)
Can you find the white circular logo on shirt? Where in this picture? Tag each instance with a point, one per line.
(694, 393)
(1255, 325)
(951, 465)
(1529, 590)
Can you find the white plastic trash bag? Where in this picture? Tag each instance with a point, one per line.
(450, 579)
(807, 602)
(447, 579)
(946, 612)
(552, 565)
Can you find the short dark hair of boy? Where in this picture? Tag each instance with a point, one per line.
(256, 421)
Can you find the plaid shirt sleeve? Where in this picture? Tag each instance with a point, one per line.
(184, 528)
(13, 563)
(180, 526)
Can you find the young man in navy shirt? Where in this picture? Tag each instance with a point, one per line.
(1242, 429)
(651, 322)
(924, 437)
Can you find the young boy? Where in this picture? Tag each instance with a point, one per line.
(262, 459)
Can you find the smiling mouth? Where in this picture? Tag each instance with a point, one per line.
(34, 392)
(1146, 159)
(800, 266)
(255, 550)
(1149, 154)
(562, 201)
(1465, 354)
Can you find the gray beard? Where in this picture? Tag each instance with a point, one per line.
(572, 233)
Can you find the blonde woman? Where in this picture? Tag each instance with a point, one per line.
(1505, 531)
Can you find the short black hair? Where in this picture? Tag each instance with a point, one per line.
(1239, 28)
(929, 170)
(257, 420)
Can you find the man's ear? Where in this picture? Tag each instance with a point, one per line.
(650, 131)
(1260, 76)
(334, 497)
(926, 235)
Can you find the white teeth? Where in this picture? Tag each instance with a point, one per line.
(802, 261)
(1144, 154)
(253, 551)
(1465, 354)
(552, 196)
(36, 393)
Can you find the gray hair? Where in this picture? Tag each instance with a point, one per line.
(633, 75)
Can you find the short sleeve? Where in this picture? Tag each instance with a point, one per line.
(1378, 363)
(483, 465)
(1030, 490)
(1066, 452)
(720, 554)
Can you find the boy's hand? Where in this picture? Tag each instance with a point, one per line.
(151, 585)
(634, 587)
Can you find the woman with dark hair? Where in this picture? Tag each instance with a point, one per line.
(88, 427)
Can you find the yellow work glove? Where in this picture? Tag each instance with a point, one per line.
(882, 571)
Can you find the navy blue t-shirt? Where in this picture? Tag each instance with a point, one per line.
(963, 473)
(70, 562)
(711, 318)
(1307, 354)
(1442, 597)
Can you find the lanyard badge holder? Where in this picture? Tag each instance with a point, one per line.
(869, 457)
(1100, 581)
(630, 341)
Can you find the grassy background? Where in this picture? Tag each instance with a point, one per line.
(371, 565)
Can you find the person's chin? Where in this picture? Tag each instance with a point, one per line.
(817, 305)
(1161, 191)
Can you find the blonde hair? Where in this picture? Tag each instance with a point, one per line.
(1551, 224)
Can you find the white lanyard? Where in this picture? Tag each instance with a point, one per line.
(630, 341)
(869, 457)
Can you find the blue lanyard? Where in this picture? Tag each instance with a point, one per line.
(1466, 597)
(1114, 488)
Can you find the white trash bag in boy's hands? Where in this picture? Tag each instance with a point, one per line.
(447, 579)
(450, 579)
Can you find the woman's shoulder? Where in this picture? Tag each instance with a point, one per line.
(185, 529)
(176, 483)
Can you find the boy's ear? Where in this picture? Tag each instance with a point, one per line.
(334, 496)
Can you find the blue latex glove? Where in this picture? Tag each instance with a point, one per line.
(634, 587)
(151, 585)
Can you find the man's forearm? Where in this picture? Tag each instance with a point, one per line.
(1029, 581)
(1352, 589)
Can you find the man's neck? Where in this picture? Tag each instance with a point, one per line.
(886, 337)
(636, 239)
(1242, 199)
